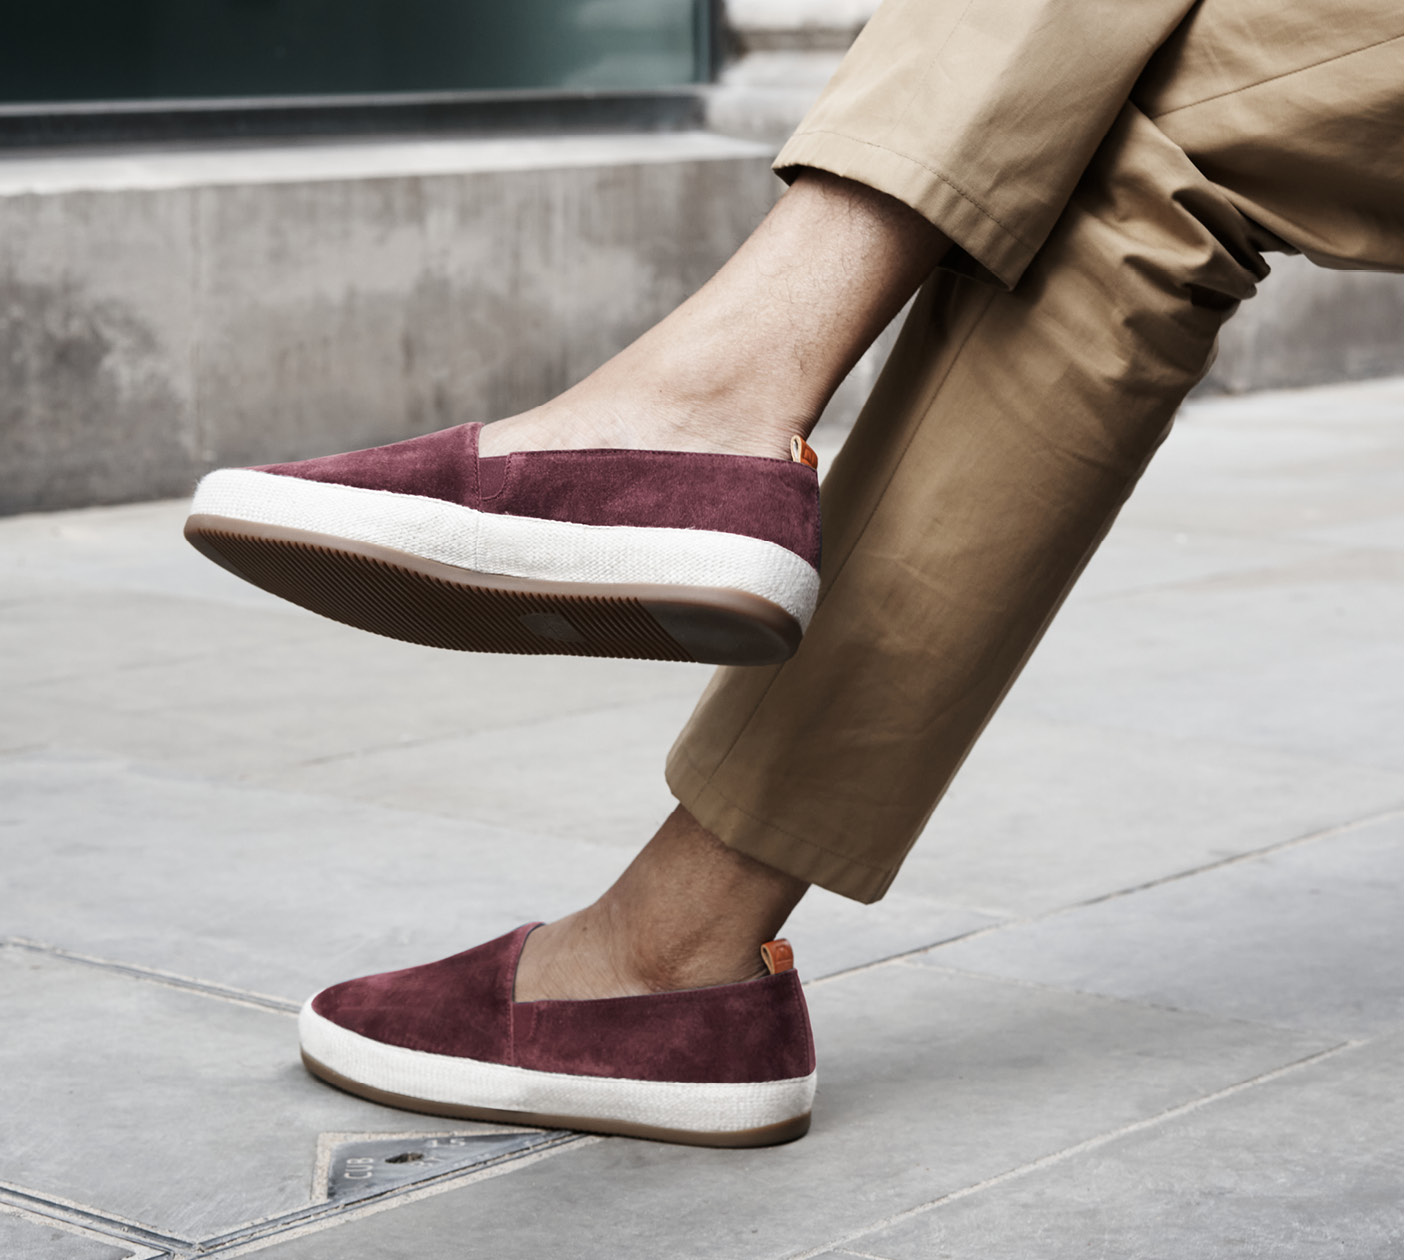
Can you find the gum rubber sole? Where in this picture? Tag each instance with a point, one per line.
(407, 597)
(768, 1135)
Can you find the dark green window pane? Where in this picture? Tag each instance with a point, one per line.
(86, 50)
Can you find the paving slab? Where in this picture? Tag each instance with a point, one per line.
(596, 775)
(1303, 666)
(832, 935)
(184, 1114)
(1050, 813)
(1307, 936)
(199, 779)
(1303, 1165)
(1137, 558)
(95, 640)
(190, 683)
(928, 1083)
(1284, 463)
(273, 892)
(1380, 532)
(129, 547)
(282, 893)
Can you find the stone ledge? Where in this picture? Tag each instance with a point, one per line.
(133, 169)
(169, 312)
(760, 26)
(292, 118)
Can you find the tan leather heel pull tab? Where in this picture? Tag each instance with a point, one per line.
(801, 452)
(778, 956)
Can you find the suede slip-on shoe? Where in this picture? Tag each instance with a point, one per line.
(663, 555)
(732, 1065)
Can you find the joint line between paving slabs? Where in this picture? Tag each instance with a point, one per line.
(171, 979)
(1235, 858)
(1078, 1148)
(904, 955)
(1279, 846)
(986, 928)
(115, 1229)
(142, 1252)
(525, 723)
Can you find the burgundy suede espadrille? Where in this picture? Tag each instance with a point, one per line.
(659, 554)
(732, 1065)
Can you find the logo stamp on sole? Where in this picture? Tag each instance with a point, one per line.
(551, 626)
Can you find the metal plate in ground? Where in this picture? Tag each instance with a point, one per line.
(371, 1166)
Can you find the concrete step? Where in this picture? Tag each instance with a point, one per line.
(170, 311)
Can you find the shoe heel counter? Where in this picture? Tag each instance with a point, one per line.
(796, 1033)
(816, 530)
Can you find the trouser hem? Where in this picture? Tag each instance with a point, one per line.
(993, 246)
(741, 830)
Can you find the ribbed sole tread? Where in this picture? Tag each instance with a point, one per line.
(421, 601)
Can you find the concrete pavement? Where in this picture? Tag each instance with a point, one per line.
(1136, 994)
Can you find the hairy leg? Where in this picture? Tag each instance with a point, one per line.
(745, 363)
(753, 356)
(688, 912)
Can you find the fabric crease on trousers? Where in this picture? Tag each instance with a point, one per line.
(1111, 176)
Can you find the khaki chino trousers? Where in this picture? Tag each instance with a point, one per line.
(1111, 175)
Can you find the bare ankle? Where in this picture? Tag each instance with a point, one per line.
(664, 961)
(634, 406)
(688, 913)
(753, 356)
(574, 958)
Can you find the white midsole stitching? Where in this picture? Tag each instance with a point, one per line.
(692, 1107)
(516, 546)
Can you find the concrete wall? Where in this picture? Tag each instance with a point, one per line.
(165, 313)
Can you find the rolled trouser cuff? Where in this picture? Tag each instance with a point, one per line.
(743, 831)
(1000, 441)
(981, 117)
(994, 249)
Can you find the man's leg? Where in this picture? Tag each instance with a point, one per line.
(998, 445)
(747, 362)
(754, 355)
(1009, 427)
(1002, 439)
(688, 912)
(980, 118)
